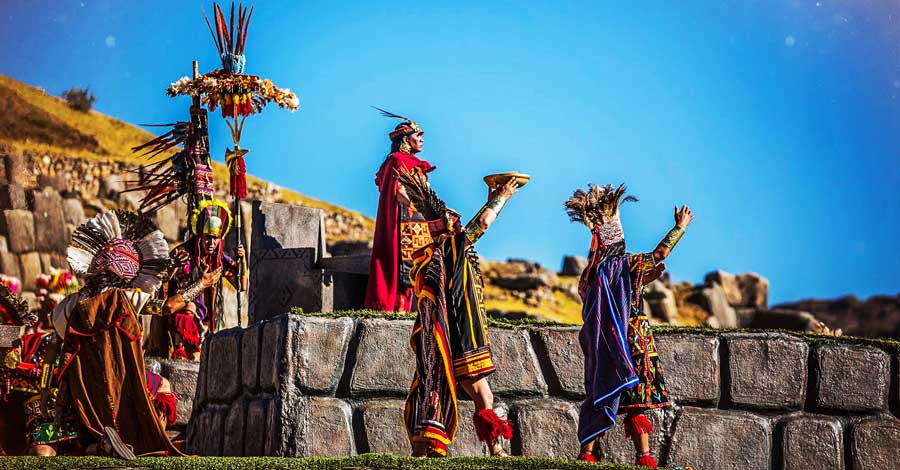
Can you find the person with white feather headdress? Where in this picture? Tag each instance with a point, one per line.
(123, 259)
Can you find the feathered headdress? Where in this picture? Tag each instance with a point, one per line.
(230, 41)
(119, 249)
(406, 128)
(598, 209)
(212, 218)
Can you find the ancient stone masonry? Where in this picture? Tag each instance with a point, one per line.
(300, 385)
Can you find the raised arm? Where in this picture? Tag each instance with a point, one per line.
(683, 218)
(488, 214)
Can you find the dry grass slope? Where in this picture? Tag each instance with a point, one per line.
(36, 122)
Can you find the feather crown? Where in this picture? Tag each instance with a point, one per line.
(406, 128)
(119, 232)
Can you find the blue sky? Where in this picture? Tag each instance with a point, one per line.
(777, 121)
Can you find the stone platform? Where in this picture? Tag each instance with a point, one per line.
(300, 386)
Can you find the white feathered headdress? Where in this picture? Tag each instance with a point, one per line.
(120, 249)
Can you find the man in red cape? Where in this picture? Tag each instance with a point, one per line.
(399, 228)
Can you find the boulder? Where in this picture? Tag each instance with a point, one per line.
(12, 196)
(754, 290)
(730, 286)
(661, 301)
(524, 281)
(573, 265)
(712, 299)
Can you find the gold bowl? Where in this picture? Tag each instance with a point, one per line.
(499, 179)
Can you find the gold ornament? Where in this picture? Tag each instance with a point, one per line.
(12, 359)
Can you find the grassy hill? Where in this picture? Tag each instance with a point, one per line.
(36, 122)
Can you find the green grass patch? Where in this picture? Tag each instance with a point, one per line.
(366, 461)
(494, 322)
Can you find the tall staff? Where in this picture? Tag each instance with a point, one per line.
(238, 95)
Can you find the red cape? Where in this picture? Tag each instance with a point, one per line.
(381, 293)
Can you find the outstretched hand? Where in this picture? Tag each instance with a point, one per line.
(683, 216)
(506, 190)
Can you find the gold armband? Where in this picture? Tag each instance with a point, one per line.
(192, 292)
(671, 238)
(473, 229)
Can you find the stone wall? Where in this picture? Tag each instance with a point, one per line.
(298, 386)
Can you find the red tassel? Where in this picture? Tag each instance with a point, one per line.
(187, 328)
(587, 457)
(637, 425)
(489, 426)
(165, 404)
(238, 170)
(645, 461)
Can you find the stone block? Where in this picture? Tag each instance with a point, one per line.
(353, 264)
(200, 390)
(810, 441)
(349, 291)
(18, 227)
(384, 361)
(561, 359)
(9, 264)
(73, 211)
(257, 426)
(209, 436)
(327, 430)
(573, 265)
(720, 440)
(284, 226)
(57, 182)
(691, 365)
(281, 279)
(318, 353)
(250, 357)
(754, 290)
(234, 438)
(15, 167)
(767, 370)
(182, 376)
(547, 428)
(30, 268)
(712, 299)
(47, 207)
(518, 372)
(270, 371)
(383, 428)
(225, 348)
(874, 442)
(730, 286)
(615, 447)
(466, 443)
(852, 378)
(12, 196)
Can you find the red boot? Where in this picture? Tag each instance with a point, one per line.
(587, 457)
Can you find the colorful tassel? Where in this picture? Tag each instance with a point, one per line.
(489, 427)
(238, 171)
(180, 354)
(187, 328)
(587, 457)
(637, 425)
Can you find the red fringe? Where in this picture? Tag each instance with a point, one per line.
(238, 182)
(637, 425)
(489, 426)
(187, 328)
(645, 461)
(587, 457)
(165, 404)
